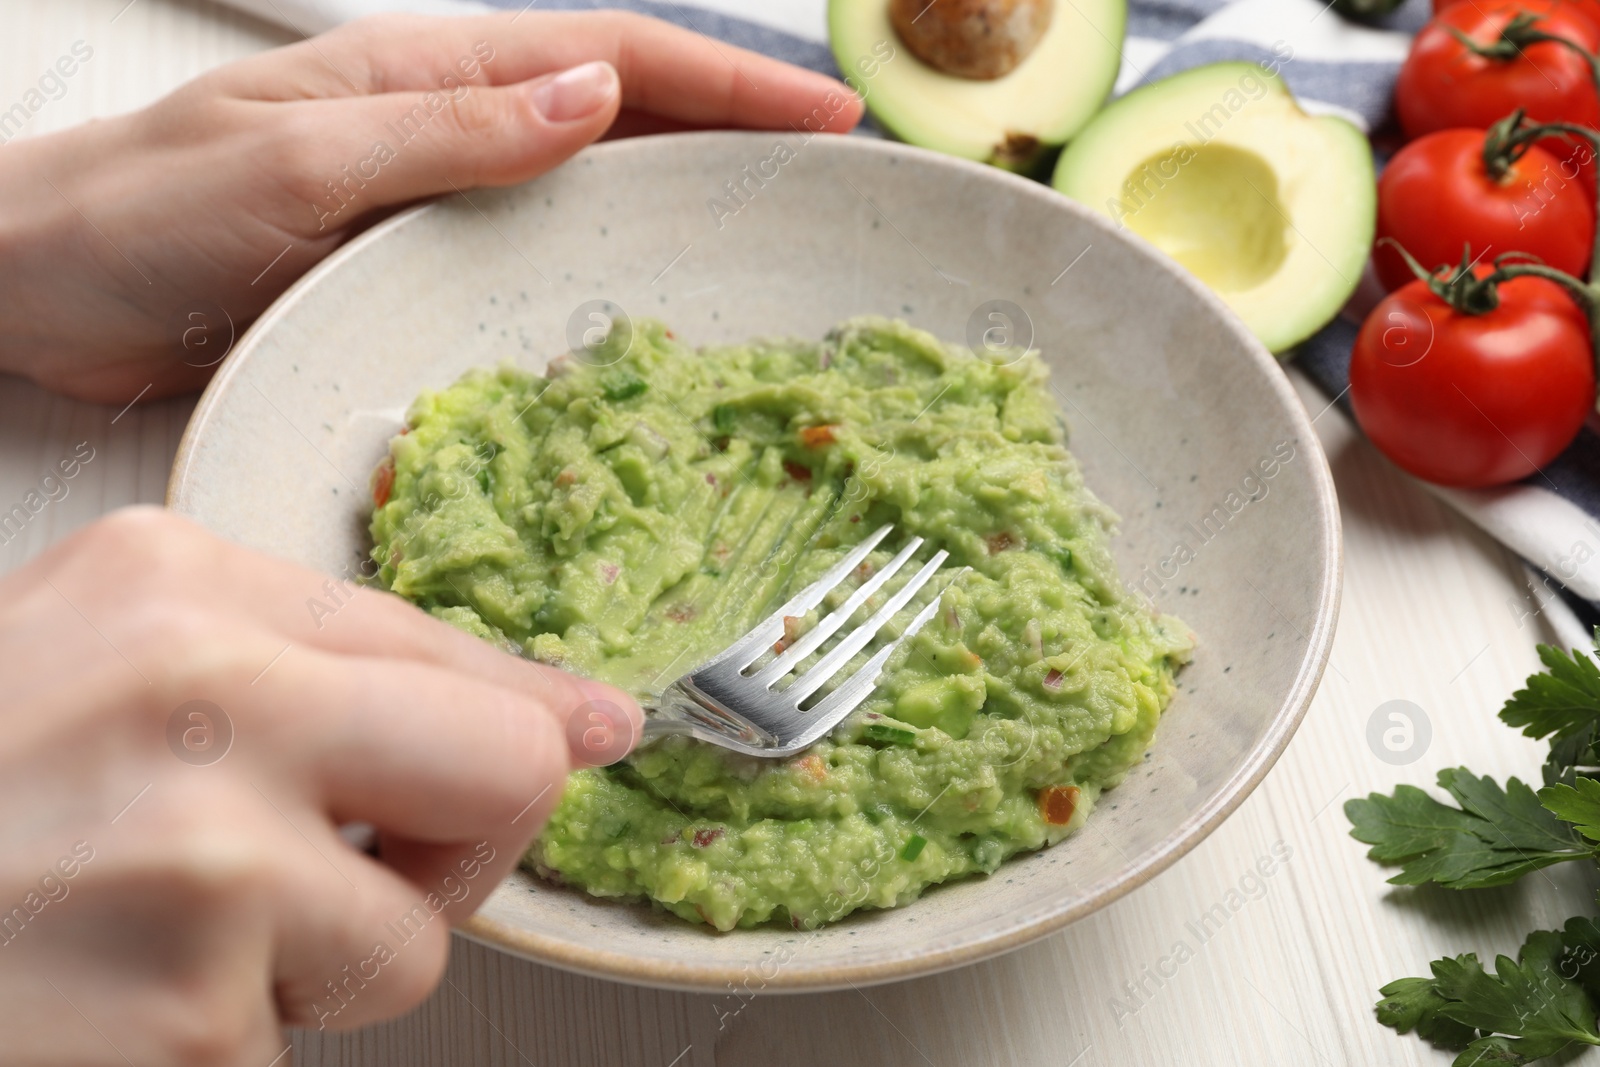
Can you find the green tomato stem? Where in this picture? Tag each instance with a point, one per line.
(1465, 293)
(1471, 295)
(1501, 145)
(1509, 139)
(1587, 294)
(1528, 34)
(1521, 31)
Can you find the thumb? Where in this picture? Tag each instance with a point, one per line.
(397, 147)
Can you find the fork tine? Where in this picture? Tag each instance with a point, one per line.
(853, 642)
(836, 618)
(744, 651)
(853, 690)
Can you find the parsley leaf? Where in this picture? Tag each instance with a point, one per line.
(1582, 959)
(1529, 1008)
(1496, 836)
(1414, 1004)
(1544, 1001)
(1578, 803)
(1562, 702)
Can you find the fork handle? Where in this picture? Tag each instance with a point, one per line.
(678, 713)
(657, 726)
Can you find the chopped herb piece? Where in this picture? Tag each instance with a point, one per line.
(913, 847)
(623, 385)
(896, 735)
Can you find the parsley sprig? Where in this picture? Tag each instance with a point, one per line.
(1544, 1000)
(1563, 704)
(1496, 836)
(1529, 1008)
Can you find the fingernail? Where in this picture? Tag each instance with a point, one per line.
(577, 93)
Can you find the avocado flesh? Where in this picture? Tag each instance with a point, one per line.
(1219, 168)
(1013, 121)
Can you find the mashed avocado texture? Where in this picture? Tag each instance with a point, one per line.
(629, 515)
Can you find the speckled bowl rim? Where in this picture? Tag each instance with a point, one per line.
(703, 978)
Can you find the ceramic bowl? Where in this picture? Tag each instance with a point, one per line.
(1177, 415)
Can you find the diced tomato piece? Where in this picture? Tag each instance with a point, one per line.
(812, 766)
(817, 436)
(999, 542)
(702, 838)
(1053, 679)
(1057, 803)
(383, 482)
(796, 471)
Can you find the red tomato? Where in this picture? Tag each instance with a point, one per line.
(1443, 85)
(1473, 400)
(1588, 7)
(1436, 196)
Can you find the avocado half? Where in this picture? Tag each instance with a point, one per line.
(1219, 168)
(1016, 121)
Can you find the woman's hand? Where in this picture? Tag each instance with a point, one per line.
(226, 191)
(181, 739)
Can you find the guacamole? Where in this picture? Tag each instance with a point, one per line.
(630, 513)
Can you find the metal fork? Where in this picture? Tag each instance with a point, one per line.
(724, 702)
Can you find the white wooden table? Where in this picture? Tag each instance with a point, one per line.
(1289, 979)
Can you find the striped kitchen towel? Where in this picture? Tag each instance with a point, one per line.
(1333, 65)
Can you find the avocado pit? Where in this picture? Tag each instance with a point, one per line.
(978, 39)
